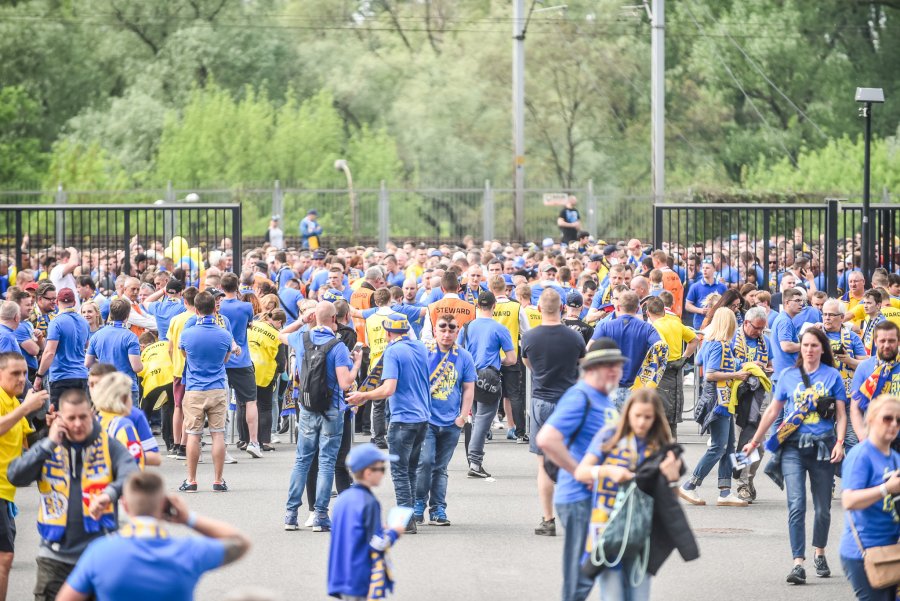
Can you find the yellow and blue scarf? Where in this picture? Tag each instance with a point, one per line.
(874, 384)
(803, 406)
(653, 367)
(373, 379)
(381, 582)
(54, 487)
(143, 527)
(869, 330)
(442, 370)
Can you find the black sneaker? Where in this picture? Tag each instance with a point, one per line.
(797, 575)
(188, 486)
(181, 453)
(285, 426)
(411, 527)
(219, 486)
(821, 565)
(478, 472)
(242, 445)
(380, 443)
(547, 527)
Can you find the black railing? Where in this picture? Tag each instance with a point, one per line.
(108, 230)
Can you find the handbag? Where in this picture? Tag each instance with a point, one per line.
(551, 468)
(627, 534)
(826, 405)
(882, 564)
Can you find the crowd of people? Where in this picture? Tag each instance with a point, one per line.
(417, 347)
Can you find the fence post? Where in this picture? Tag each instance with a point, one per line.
(487, 207)
(126, 267)
(592, 209)
(278, 200)
(170, 192)
(765, 244)
(657, 226)
(831, 244)
(18, 218)
(60, 219)
(384, 215)
(236, 226)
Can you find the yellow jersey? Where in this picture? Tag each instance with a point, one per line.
(11, 444)
(376, 337)
(674, 333)
(506, 313)
(262, 340)
(158, 369)
(534, 317)
(891, 313)
(176, 327)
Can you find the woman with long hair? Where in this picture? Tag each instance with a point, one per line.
(731, 299)
(269, 302)
(90, 310)
(810, 397)
(112, 400)
(871, 483)
(720, 370)
(611, 460)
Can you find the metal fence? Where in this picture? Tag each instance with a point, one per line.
(108, 230)
(432, 214)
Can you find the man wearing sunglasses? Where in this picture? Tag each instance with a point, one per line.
(879, 374)
(452, 379)
(848, 350)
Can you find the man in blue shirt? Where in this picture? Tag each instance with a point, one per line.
(581, 412)
(632, 335)
(452, 379)
(63, 358)
(405, 380)
(549, 272)
(9, 323)
(320, 434)
(785, 333)
(698, 292)
(865, 388)
(167, 307)
(150, 564)
(310, 230)
(241, 375)
(206, 347)
(25, 333)
(485, 339)
(117, 345)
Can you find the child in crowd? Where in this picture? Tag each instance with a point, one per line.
(358, 568)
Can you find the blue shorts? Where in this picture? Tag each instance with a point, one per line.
(540, 413)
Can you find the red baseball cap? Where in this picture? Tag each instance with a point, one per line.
(66, 295)
(31, 287)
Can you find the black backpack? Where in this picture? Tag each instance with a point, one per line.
(314, 393)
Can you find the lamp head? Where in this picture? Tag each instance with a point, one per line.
(870, 95)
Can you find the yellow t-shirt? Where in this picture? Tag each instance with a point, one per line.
(892, 313)
(158, 369)
(262, 339)
(414, 271)
(675, 334)
(376, 338)
(11, 444)
(176, 327)
(534, 317)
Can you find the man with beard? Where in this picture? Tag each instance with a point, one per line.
(879, 374)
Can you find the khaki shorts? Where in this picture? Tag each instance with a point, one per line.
(199, 403)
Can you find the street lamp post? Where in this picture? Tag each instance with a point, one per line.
(341, 165)
(867, 97)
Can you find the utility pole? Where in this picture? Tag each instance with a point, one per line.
(520, 24)
(658, 97)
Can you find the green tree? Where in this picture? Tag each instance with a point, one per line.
(21, 159)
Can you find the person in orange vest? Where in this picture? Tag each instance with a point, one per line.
(671, 282)
(450, 304)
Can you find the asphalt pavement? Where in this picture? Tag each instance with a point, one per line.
(490, 551)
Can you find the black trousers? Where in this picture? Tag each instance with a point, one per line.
(167, 411)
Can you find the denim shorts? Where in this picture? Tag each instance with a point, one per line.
(540, 413)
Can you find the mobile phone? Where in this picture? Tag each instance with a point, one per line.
(170, 510)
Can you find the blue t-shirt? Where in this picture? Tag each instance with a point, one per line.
(485, 338)
(727, 275)
(538, 289)
(865, 369)
(446, 393)
(566, 418)
(396, 279)
(8, 342)
(148, 441)
(712, 356)
(413, 312)
(826, 381)
(23, 334)
(113, 344)
(864, 467)
(320, 280)
(338, 356)
(289, 299)
(164, 310)
(71, 330)
(783, 330)
(697, 294)
(240, 314)
(634, 337)
(205, 345)
(807, 315)
(283, 276)
(146, 569)
(407, 362)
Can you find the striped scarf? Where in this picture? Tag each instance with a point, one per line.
(846, 373)
(869, 331)
(373, 379)
(381, 581)
(442, 370)
(744, 352)
(653, 367)
(874, 384)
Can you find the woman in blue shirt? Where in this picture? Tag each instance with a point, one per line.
(871, 484)
(811, 399)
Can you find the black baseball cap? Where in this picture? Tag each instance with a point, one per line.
(174, 286)
(486, 299)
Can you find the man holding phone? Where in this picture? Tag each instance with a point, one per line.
(80, 472)
(848, 350)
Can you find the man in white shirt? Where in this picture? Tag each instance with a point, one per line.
(62, 274)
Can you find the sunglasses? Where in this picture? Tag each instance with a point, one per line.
(887, 419)
(49, 298)
(447, 326)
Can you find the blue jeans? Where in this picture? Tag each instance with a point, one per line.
(795, 464)
(575, 518)
(615, 584)
(855, 571)
(319, 433)
(431, 476)
(722, 432)
(405, 441)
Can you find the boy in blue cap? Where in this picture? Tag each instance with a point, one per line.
(357, 566)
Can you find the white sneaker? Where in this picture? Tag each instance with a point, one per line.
(200, 458)
(229, 459)
(254, 450)
(731, 500)
(689, 379)
(690, 496)
(310, 520)
(275, 439)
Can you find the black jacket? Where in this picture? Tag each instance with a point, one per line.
(670, 526)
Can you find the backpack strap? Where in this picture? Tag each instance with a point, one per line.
(584, 416)
(292, 314)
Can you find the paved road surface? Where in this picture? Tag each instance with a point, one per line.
(489, 552)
